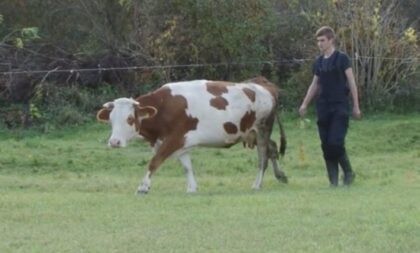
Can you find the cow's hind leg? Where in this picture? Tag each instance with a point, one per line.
(262, 148)
(186, 163)
(273, 155)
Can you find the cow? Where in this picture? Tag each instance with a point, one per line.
(181, 115)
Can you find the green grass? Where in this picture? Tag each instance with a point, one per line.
(65, 191)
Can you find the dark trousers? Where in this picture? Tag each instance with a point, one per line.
(333, 121)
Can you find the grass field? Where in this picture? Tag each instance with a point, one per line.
(65, 191)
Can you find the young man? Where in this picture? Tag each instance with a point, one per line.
(333, 80)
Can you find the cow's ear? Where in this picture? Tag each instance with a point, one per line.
(144, 112)
(103, 114)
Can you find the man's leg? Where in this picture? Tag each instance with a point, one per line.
(337, 137)
(324, 128)
(332, 169)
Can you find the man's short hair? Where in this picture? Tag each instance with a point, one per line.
(325, 31)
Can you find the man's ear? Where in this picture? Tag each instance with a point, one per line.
(103, 114)
(145, 112)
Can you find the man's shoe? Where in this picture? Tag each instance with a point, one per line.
(349, 175)
(332, 169)
(349, 178)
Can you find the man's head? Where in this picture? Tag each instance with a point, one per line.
(325, 37)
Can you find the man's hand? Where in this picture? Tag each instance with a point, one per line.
(302, 110)
(357, 114)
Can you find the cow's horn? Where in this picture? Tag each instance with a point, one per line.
(109, 105)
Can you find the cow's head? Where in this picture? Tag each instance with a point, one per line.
(125, 116)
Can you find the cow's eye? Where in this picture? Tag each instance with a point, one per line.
(130, 120)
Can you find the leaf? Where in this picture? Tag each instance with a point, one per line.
(18, 43)
(410, 35)
(30, 33)
(124, 2)
(34, 111)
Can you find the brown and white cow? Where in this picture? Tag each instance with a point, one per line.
(182, 115)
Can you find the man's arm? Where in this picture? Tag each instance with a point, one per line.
(353, 91)
(312, 91)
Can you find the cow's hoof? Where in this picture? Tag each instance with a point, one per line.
(283, 179)
(143, 190)
(139, 192)
(256, 187)
(191, 190)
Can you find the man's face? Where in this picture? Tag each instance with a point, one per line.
(324, 43)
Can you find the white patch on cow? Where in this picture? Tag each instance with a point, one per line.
(156, 146)
(210, 130)
(144, 186)
(258, 179)
(122, 132)
(186, 163)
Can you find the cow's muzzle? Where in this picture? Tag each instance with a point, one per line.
(114, 143)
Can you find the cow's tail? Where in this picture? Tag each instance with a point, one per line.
(283, 142)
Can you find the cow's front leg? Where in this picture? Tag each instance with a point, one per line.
(161, 153)
(186, 163)
(145, 184)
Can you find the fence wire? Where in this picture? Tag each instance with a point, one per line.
(194, 65)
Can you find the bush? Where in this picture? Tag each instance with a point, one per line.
(225, 40)
(407, 96)
(53, 106)
(295, 87)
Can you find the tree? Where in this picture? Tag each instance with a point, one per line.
(383, 45)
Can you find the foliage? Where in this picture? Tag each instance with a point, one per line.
(381, 41)
(295, 87)
(195, 32)
(73, 105)
(384, 46)
(190, 39)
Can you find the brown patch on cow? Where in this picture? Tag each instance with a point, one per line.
(171, 123)
(103, 114)
(141, 113)
(219, 103)
(247, 121)
(250, 94)
(262, 81)
(131, 120)
(230, 128)
(217, 88)
(168, 146)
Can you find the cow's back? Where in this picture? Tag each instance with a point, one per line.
(226, 112)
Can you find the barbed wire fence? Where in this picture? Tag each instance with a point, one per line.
(193, 65)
